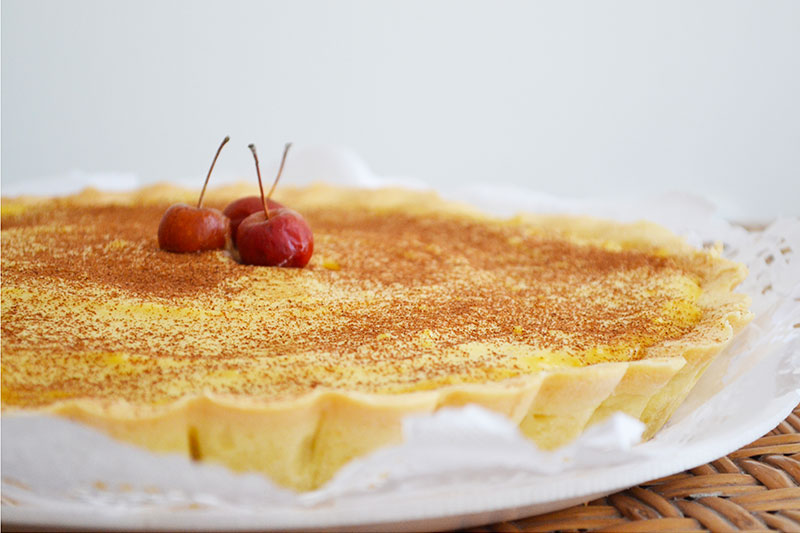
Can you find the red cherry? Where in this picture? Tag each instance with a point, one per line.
(184, 228)
(274, 237)
(240, 209)
(284, 239)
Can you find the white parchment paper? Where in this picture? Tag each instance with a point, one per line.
(457, 467)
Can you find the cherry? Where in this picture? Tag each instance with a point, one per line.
(184, 228)
(240, 209)
(274, 237)
(284, 239)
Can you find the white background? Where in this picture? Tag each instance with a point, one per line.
(572, 98)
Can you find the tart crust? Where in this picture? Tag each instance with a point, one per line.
(552, 382)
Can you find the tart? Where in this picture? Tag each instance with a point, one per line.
(409, 304)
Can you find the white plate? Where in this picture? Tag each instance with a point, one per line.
(743, 395)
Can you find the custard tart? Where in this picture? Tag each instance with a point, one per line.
(409, 304)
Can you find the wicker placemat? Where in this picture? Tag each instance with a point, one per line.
(756, 488)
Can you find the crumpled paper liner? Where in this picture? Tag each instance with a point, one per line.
(456, 467)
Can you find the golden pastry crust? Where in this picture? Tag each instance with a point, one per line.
(409, 304)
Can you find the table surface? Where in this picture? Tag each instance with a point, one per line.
(756, 488)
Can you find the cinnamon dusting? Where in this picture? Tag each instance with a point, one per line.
(92, 308)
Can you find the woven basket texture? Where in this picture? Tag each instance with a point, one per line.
(756, 488)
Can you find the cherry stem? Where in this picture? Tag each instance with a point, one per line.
(260, 186)
(214, 162)
(278, 177)
(280, 169)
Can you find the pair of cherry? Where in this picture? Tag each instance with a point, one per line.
(264, 231)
